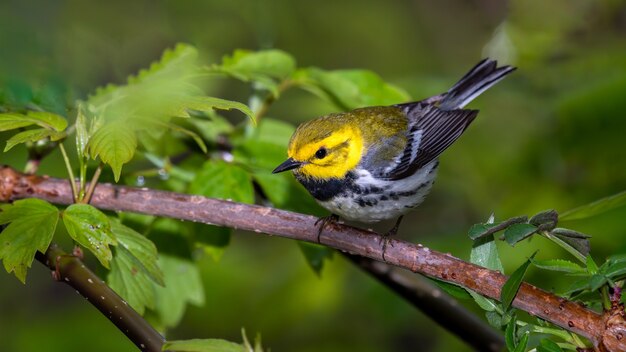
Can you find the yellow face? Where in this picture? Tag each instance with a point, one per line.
(326, 155)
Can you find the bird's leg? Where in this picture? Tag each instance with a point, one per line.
(387, 237)
(324, 221)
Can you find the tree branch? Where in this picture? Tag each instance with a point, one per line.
(70, 270)
(603, 332)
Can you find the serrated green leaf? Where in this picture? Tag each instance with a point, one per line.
(596, 208)
(47, 120)
(577, 286)
(453, 290)
(510, 334)
(485, 253)
(203, 345)
(115, 144)
(142, 251)
(511, 286)
(351, 89)
(315, 255)
(518, 232)
(592, 267)
(32, 223)
(130, 282)
(90, 228)
(33, 135)
(561, 265)
(615, 270)
(546, 345)
(219, 179)
(182, 285)
(523, 343)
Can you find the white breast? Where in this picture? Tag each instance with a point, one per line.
(373, 200)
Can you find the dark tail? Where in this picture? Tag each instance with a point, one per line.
(480, 78)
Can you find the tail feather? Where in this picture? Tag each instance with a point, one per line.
(480, 78)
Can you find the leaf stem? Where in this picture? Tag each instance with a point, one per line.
(271, 98)
(68, 165)
(92, 185)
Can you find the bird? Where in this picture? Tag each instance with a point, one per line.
(379, 163)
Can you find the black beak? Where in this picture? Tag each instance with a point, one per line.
(289, 164)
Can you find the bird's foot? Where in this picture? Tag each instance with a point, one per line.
(324, 221)
(386, 238)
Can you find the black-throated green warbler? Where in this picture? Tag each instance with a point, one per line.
(378, 163)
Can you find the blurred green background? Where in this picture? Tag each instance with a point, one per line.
(550, 136)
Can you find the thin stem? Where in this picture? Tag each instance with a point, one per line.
(92, 185)
(69, 172)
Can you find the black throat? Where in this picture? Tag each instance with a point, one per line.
(324, 190)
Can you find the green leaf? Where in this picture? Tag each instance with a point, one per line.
(509, 334)
(142, 251)
(523, 342)
(511, 286)
(315, 255)
(484, 303)
(203, 345)
(592, 267)
(480, 230)
(47, 120)
(182, 285)
(115, 144)
(596, 208)
(130, 282)
(485, 253)
(578, 247)
(561, 265)
(518, 232)
(546, 345)
(616, 270)
(495, 319)
(209, 103)
(11, 121)
(262, 67)
(453, 290)
(351, 89)
(33, 135)
(92, 229)
(219, 179)
(32, 223)
(596, 281)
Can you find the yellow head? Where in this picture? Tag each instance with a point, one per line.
(324, 148)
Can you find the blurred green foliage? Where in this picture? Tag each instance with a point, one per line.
(550, 136)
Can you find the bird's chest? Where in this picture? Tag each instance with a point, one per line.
(364, 198)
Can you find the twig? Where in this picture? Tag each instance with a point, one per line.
(73, 272)
(435, 303)
(417, 258)
(70, 173)
(92, 184)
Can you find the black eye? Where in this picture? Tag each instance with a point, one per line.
(320, 153)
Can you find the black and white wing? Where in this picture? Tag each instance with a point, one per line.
(432, 132)
(435, 123)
